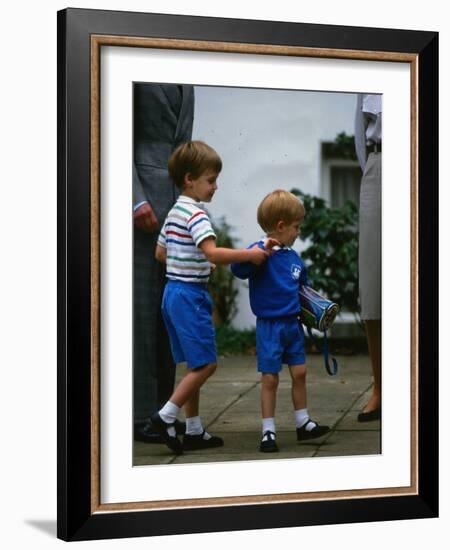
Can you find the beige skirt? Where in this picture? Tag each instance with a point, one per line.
(370, 239)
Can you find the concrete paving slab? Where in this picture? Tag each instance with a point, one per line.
(218, 396)
(350, 423)
(230, 408)
(351, 443)
(152, 460)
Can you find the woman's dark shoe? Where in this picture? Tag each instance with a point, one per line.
(144, 432)
(369, 416)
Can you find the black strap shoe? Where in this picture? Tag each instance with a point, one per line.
(195, 442)
(161, 427)
(180, 427)
(317, 431)
(268, 443)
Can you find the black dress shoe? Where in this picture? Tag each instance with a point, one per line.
(143, 431)
(180, 427)
(369, 416)
(196, 442)
(162, 427)
(268, 443)
(317, 431)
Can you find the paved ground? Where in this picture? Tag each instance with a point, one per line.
(230, 408)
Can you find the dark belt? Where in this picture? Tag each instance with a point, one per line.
(374, 148)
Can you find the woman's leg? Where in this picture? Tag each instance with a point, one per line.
(373, 332)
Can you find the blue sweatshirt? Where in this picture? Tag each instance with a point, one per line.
(274, 284)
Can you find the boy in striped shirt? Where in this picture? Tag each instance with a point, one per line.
(187, 244)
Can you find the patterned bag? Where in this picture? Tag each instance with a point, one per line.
(317, 312)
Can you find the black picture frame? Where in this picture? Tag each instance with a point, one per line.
(77, 517)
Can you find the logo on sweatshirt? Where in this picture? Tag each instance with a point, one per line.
(296, 271)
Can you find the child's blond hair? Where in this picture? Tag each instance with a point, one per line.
(279, 205)
(193, 157)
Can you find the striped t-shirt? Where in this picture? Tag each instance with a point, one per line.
(185, 227)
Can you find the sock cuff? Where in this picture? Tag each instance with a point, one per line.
(169, 412)
(301, 417)
(194, 425)
(268, 424)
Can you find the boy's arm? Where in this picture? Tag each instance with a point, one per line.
(219, 255)
(161, 254)
(242, 270)
(160, 250)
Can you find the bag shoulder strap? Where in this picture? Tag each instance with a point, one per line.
(330, 368)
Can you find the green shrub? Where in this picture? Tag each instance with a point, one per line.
(231, 341)
(222, 284)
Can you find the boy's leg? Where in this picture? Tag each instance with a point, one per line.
(372, 411)
(196, 437)
(269, 351)
(269, 387)
(192, 405)
(188, 388)
(306, 428)
(187, 393)
(189, 309)
(298, 376)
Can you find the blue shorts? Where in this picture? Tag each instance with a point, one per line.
(279, 341)
(187, 313)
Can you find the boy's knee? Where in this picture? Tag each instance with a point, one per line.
(270, 381)
(210, 369)
(299, 373)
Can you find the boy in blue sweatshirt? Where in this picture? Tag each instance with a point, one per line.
(274, 299)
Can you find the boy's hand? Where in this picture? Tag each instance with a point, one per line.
(269, 243)
(257, 255)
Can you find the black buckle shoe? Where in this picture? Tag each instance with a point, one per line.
(318, 431)
(195, 442)
(268, 445)
(161, 427)
(180, 427)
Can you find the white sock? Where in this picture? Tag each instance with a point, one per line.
(301, 418)
(268, 425)
(169, 414)
(194, 427)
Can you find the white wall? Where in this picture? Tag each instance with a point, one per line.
(28, 274)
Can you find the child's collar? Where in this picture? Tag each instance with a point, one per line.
(188, 200)
(277, 247)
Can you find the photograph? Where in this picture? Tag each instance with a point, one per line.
(279, 146)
